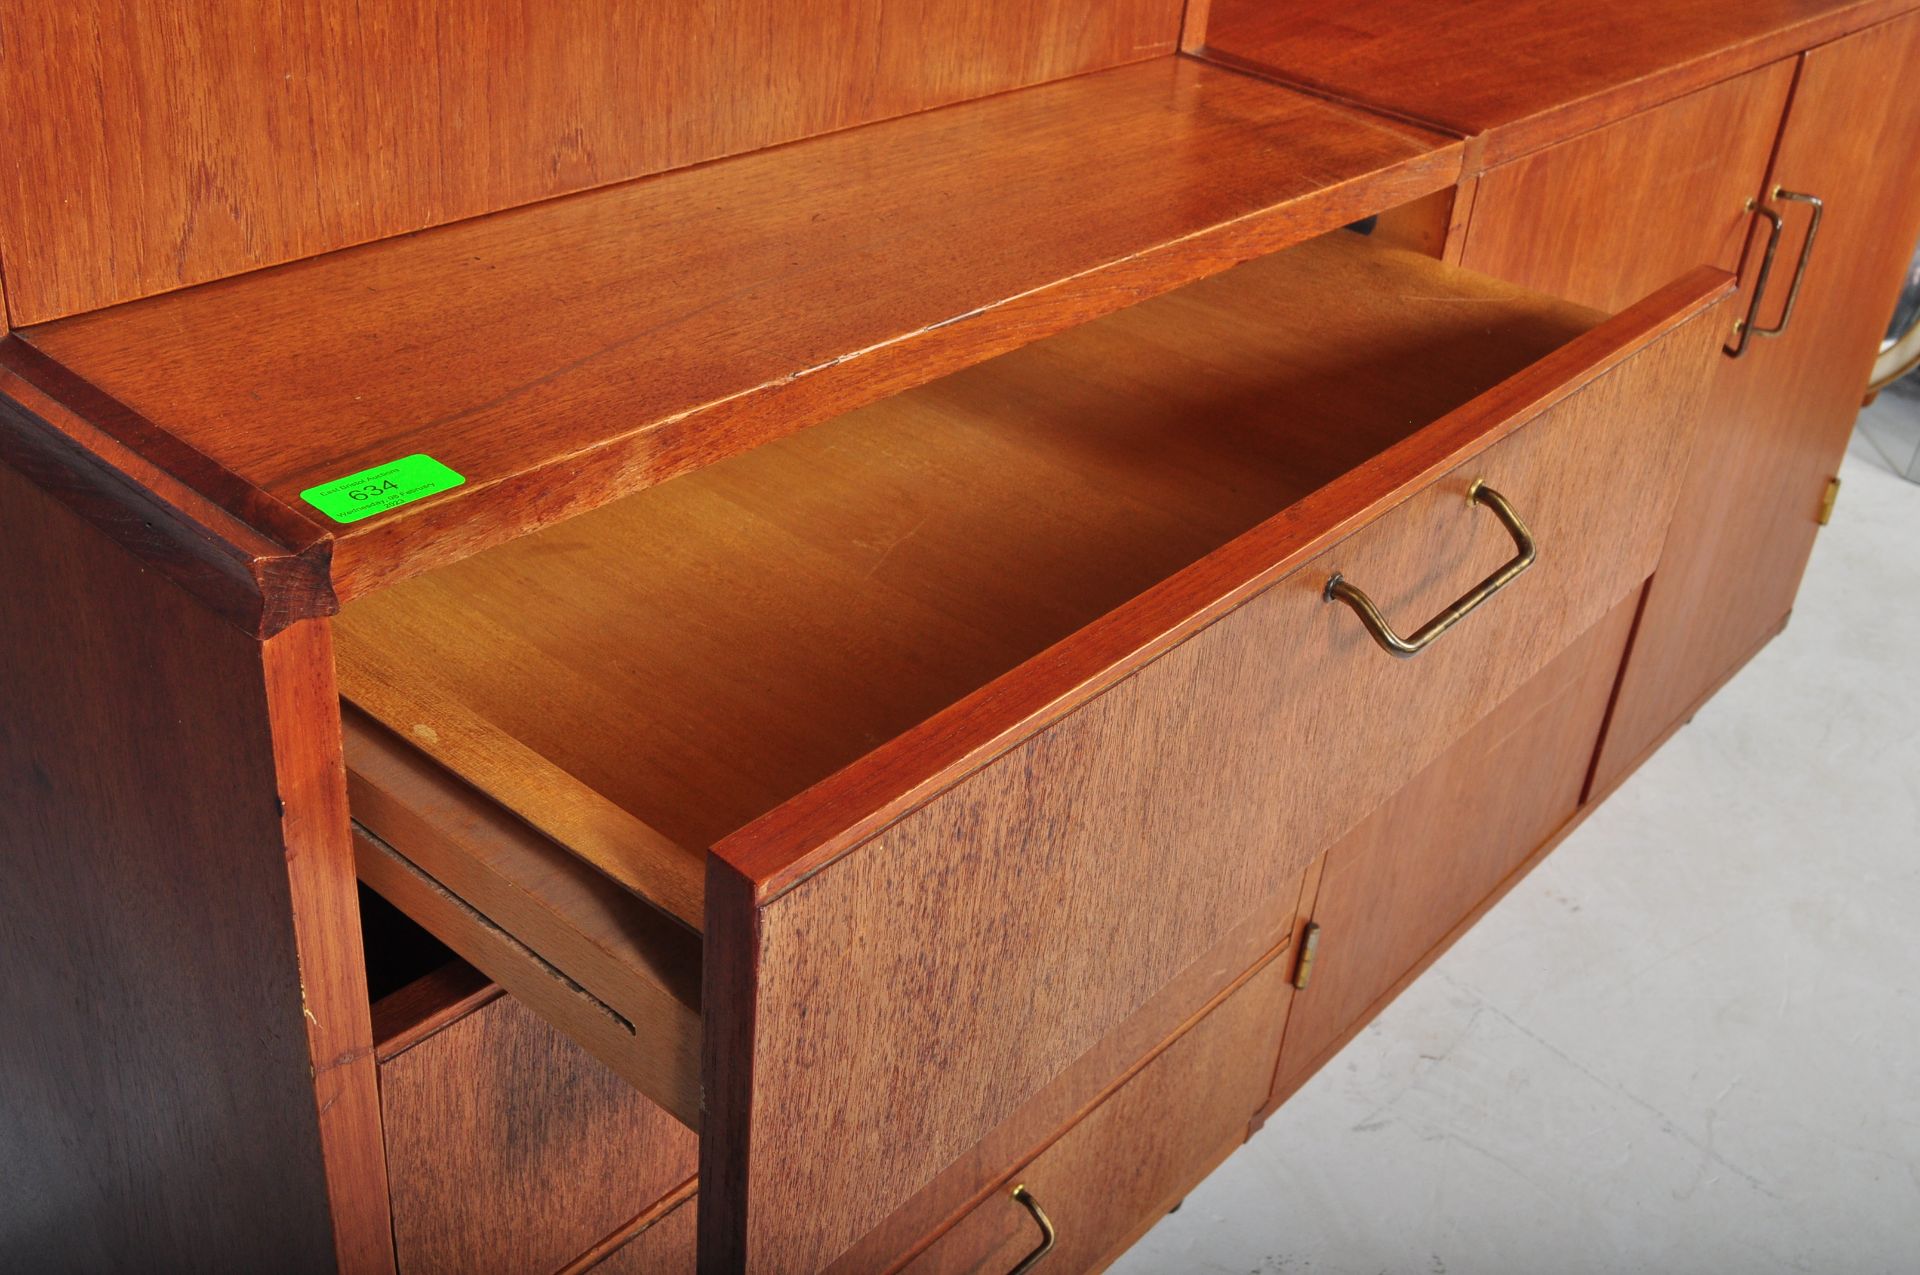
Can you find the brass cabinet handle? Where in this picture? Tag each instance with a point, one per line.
(1749, 327)
(1045, 1223)
(1806, 255)
(1403, 648)
(1743, 328)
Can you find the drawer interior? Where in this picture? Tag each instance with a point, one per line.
(402, 961)
(624, 689)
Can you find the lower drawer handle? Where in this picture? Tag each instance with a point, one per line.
(1045, 1223)
(1403, 648)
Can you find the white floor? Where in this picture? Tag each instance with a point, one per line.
(1690, 1041)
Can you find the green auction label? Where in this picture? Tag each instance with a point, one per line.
(389, 486)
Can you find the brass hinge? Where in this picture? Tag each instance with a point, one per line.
(1309, 944)
(1826, 501)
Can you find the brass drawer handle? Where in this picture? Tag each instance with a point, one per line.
(1743, 328)
(1045, 1223)
(1403, 648)
(1806, 255)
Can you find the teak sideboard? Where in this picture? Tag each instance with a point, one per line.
(802, 636)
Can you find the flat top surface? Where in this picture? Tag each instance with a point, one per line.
(644, 679)
(1478, 66)
(653, 315)
(153, 144)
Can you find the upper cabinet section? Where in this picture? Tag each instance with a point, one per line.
(153, 145)
(562, 354)
(1520, 74)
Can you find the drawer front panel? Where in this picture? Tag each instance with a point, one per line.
(664, 1248)
(1118, 1171)
(510, 1149)
(1269, 936)
(900, 1002)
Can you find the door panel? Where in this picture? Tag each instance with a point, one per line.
(1609, 216)
(1777, 420)
(1396, 886)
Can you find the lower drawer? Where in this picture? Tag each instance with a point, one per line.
(509, 1148)
(1117, 1172)
(663, 1242)
(663, 1247)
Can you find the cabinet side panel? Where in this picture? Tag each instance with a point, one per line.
(160, 1109)
(155, 145)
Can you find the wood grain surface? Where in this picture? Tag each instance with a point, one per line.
(156, 145)
(187, 1047)
(1266, 934)
(1118, 1171)
(562, 354)
(422, 1006)
(249, 559)
(1776, 421)
(665, 1247)
(303, 720)
(1517, 75)
(932, 963)
(512, 1150)
(645, 1052)
(1609, 216)
(808, 832)
(566, 927)
(646, 679)
(1398, 883)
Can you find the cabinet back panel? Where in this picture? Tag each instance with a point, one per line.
(156, 145)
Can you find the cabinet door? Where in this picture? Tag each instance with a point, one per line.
(1400, 884)
(1777, 419)
(1606, 218)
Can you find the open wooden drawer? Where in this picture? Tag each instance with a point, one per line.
(842, 793)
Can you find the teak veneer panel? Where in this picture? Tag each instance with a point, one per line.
(154, 144)
(535, 917)
(1117, 1172)
(811, 830)
(1399, 883)
(1267, 935)
(186, 1042)
(1776, 421)
(1520, 74)
(664, 1247)
(953, 952)
(1609, 216)
(568, 352)
(512, 1150)
(647, 678)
